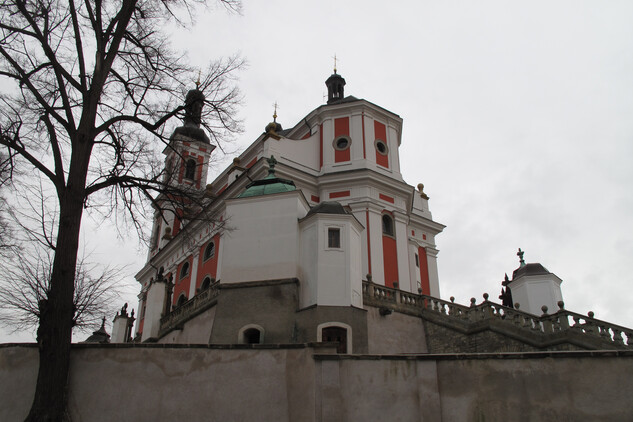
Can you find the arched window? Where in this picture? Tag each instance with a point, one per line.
(336, 332)
(251, 334)
(184, 271)
(181, 300)
(209, 251)
(190, 169)
(387, 225)
(206, 283)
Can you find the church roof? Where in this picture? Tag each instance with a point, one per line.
(327, 207)
(529, 269)
(269, 184)
(191, 131)
(99, 336)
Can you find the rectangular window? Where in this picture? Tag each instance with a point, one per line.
(333, 238)
(417, 261)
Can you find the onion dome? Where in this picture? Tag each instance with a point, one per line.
(273, 128)
(193, 117)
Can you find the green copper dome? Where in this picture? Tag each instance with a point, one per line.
(269, 184)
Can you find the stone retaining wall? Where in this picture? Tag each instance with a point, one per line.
(306, 383)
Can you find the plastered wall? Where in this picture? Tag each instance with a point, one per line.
(273, 383)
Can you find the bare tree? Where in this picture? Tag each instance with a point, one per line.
(7, 244)
(91, 86)
(25, 284)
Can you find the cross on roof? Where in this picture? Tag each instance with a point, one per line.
(520, 255)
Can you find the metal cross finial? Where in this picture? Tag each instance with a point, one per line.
(198, 81)
(334, 62)
(520, 255)
(271, 164)
(275, 112)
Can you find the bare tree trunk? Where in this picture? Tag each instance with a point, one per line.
(54, 334)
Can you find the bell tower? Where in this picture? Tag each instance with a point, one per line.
(189, 149)
(186, 166)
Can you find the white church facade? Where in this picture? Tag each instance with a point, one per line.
(312, 235)
(321, 206)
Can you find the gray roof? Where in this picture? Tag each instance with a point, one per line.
(529, 269)
(327, 207)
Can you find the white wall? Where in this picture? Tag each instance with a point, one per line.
(534, 291)
(331, 276)
(156, 295)
(261, 241)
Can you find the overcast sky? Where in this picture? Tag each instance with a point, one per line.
(518, 119)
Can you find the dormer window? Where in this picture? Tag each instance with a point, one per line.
(190, 169)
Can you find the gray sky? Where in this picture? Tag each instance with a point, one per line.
(517, 119)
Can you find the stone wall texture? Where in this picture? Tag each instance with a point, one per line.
(304, 383)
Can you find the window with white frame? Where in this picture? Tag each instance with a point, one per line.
(334, 238)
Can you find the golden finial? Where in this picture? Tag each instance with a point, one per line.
(275, 112)
(335, 63)
(198, 81)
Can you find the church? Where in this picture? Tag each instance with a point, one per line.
(312, 235)
(302, 285)
(291, 231)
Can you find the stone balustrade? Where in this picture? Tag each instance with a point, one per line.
(559, 323)
(189, 309)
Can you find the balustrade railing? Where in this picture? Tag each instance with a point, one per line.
(188, 309)
(559, 322)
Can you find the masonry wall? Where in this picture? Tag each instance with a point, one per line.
(156, 383)
(442, 339)
(394, 333)
(292, 383)
(271, 305)
(544, 386)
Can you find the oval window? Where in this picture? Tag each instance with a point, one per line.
(342, 143)
(381, 147)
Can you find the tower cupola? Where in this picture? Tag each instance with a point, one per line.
(193, 117)
(335, 88)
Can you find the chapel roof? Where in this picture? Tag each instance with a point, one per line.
(269, 184)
